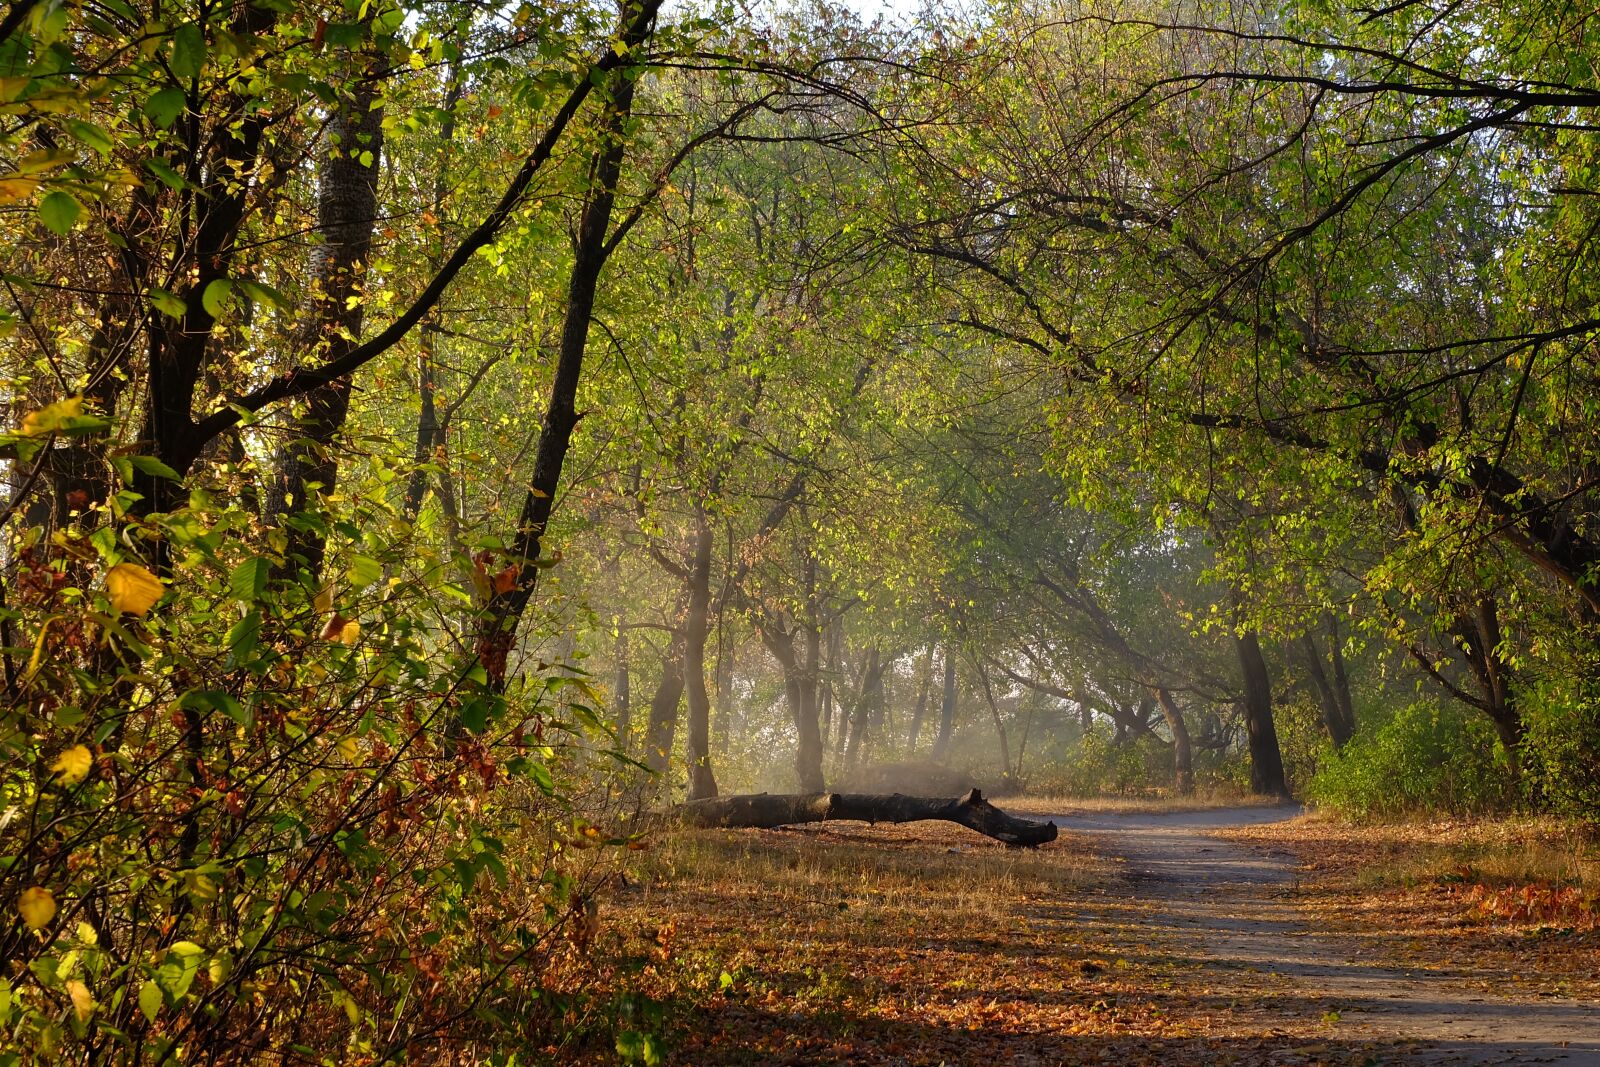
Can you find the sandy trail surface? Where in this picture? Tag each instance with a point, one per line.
(1229, 907)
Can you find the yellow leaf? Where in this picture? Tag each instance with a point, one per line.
(13, 188)
(37, 659)
(82, 1002)
(37, 906)
(44, 159)
(49, 418)
(202, 887)
(73, 765)
(350, 633)
(348, 749)
(132, 588)
(323, 601)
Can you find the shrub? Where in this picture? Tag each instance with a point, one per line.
(1561, 750)
(1099, 767)
(254, 817)
(1424, 758)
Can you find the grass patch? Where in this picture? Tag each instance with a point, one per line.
(1516, 897)
(1152, 804)
(922, 944)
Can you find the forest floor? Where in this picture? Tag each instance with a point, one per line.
(1228, 936)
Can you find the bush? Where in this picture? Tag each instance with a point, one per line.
(258, 817)
(1423, 759)
(1099, 767)
(1561, 751)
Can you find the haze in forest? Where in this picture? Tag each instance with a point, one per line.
(711, 533)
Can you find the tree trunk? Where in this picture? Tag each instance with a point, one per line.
(828, 688)
(722, 699)
(1032, 701)
(1479, 639)
(1341, 680)
(697, 626)
(999, 725)
(871, 685)
(663, 724)
(800, 689)
(347, 211)
(924, 690)
(947, 707)
(622, 699)
(429, 430)
(1266, 759)
(1182, 748)
(825, 704)
(808, 755)
(497, 624)
(1332, 711)
(764, 811)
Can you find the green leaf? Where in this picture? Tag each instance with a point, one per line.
(542, 777)
(177, 972)
(168, 304)
(262, 293)
(364, 570)
(249, 579)
(230, 707)
(91, 135)
(164, 107)
(345, 34)
(188, 50)
(215, 297)
(154, 467)
(216, 700)
(390, 20)
(475, 715)
(150, 1000)
(244, 637)
(164, 172)
(59, 211)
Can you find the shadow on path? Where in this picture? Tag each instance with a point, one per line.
(1226, 907)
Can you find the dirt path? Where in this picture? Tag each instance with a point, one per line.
(1229, 908)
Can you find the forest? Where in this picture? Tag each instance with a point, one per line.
(1013, 532)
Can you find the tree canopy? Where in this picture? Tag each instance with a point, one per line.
(441, 434)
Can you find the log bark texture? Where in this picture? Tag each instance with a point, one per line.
(768, 810)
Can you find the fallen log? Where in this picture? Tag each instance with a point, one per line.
(768, 810)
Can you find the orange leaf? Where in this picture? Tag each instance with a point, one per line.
(506, 580)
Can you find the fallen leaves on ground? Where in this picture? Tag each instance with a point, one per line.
(925, 945)
(1508, 904)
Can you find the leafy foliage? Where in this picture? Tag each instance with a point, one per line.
(1424, 758)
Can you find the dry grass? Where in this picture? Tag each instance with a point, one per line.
(1498, 854)
(928, 944)
(1201, 800)
(1518, 897)
(885, 867)
(918, 945)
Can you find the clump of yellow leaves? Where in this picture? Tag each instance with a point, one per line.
(82, 999)
(345, 631)
(37, 906)
(73, 765)
(338, 628)
(132, 589)
(49, 418)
